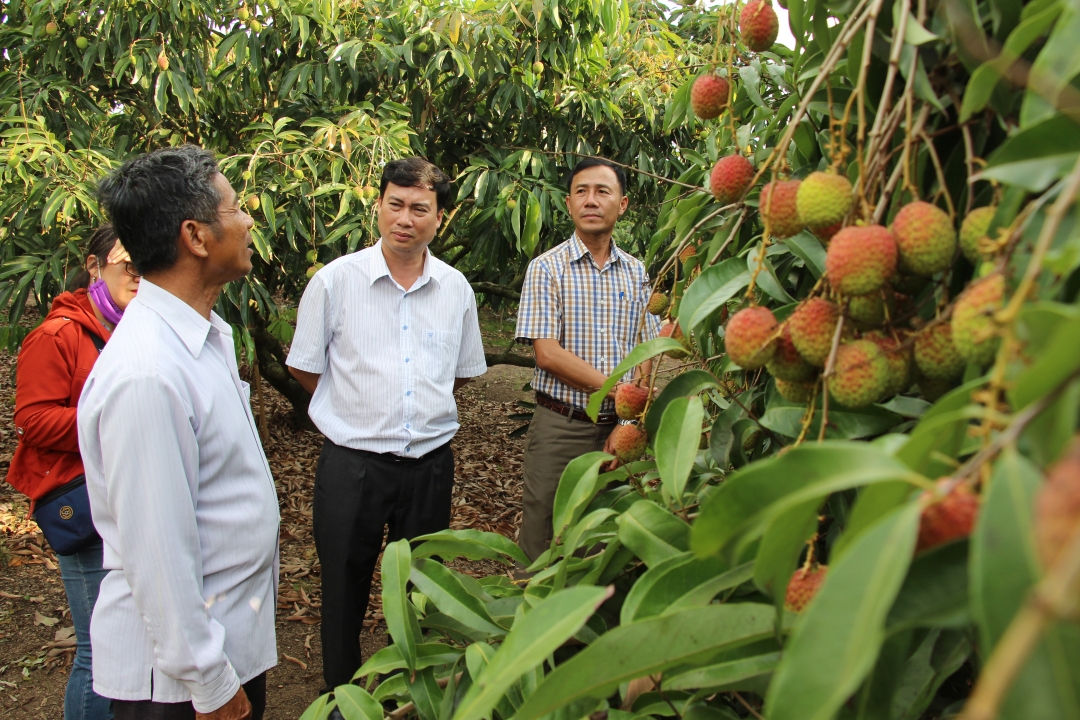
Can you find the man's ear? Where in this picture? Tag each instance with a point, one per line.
(623, 204)
(439, 219)
(193, 238)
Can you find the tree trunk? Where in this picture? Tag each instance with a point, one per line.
(271, 358)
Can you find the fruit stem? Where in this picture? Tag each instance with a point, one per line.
(830, 365)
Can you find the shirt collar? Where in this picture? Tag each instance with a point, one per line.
(578, 250)
(433, 269)
(191, 327)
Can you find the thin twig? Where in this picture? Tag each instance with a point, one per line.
(829, 367)
(748, 706)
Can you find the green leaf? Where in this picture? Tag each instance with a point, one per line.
(389, 658)
(685, 384)
(400, 620)
(940, 433)
(835, 643)
(938, 656)
(577, 486)
(808, 248)
(785, 418)
(530, 235)
(426, 694)
(320, 709)
(679, 579)
(676, 443)
(654, 534)
(468, 543)
(711, 290)
(1034, 157)
(356, 703)
(1057, 360)
(935, 591)
(641, 353)
(620, 654)
(722, 435)
(535, 636)
(443, 587)
(714, 677)
(781, 546)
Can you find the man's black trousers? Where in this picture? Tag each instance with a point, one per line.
(357, 495)
(255, 689)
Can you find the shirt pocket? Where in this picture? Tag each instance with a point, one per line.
(438, 354)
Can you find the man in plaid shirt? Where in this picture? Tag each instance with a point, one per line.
(583, 310)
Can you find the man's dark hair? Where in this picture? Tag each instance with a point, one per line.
(150, 196)
(589, 162)
(417, 172)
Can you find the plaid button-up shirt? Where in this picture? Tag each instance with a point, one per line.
(596, 313)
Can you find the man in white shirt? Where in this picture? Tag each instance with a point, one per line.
(179, 487)
(384, 337)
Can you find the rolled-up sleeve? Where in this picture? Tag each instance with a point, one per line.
(313, 330)
(540, 310)
(151, 474)
(471, 360)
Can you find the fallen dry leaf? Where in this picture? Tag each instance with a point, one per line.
(40, 619)
(291, 659)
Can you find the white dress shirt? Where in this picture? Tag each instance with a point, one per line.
(387, 356)
(182, 496)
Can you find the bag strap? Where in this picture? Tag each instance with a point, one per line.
(94, 338)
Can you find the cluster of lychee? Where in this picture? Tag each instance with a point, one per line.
(628, 440)
(878, 353)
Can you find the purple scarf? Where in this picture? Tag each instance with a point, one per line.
(99, 291)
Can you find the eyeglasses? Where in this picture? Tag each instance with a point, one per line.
(130, 270)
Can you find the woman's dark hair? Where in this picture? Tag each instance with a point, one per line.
(101, 242)
(589, 162)
(417, 172)
(150, 196)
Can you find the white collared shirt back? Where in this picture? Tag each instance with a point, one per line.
(387, 357)
(183, 498)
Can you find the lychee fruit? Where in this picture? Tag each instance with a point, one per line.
(709, 95)
(630, 401)
(758, 25)
(628, 442)
(933, 390)
(787, 363)
(254, 25)
(777, 206)
(925, 238)
(658, 303)
(869, 311)
(803, 585)
(687, 252)
(974, 329)
(162, 61)
(936, 355)
(794, 391)
(824, 199)
(860, 376)
(749, 339)
(730, 178)
(812, 326)
(673, 331)
(253, 202)
(860, 260)
(538, 67)
(51, 28)
(973, 230)
(898, 357)
(946, 518)
(825, 234)
(1057, 506)
(82, 43)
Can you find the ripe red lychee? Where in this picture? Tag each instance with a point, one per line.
(1057, 506)
(975, 331)
(898, 357)
(861, 374)
(946, 518)
(936, 355)
(758, 25)
(803, 585)
(709, 95)
(925, 238)
(796, 392)
(974, 230)
(824, 199)
(787, 363)
(658, 303)
(777, 206)
(860, 259)
(825, 234)
(730, 178)
(749, 338)
(630, 401)
(628, 442)
(673, 331)
(812, 326)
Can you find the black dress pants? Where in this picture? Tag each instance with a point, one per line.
(255, 689)
(357, 495)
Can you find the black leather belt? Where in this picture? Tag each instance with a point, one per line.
(574, 413)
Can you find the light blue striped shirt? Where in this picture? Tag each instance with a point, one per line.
(182, 496)
(596, 313)
(387, 357)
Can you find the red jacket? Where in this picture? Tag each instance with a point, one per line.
(53, 364)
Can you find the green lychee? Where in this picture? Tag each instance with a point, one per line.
(777, 206)
(82, 43)
(861, 375)
(51, 28)
(658, 303)
(812, 327)
(869, 311)
(973, 230)
(925, 238)
(709, 96)
(936, 355)
(538, 67)
(975, 331)
(860, 260)
(758, 25)
(786, 363)
(730, 178)
(794, 391)
(749, 337)
(824, 199)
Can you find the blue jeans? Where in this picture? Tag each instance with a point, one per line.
(82, 573)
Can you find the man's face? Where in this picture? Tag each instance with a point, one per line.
(229, 247)
(595, 201)
(408, 218)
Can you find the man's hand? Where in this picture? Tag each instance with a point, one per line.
(236, 709)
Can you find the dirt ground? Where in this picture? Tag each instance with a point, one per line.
(35, 625)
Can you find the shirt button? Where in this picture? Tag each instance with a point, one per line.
(407, 426)
(408, 449)
(404, 327)
(406, 359)
(603, 359)
(408, 392)
(603, 330)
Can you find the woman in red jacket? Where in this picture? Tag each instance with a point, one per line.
(53, 364)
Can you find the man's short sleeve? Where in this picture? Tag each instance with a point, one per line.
(540, 308)
(471, 360)
(314, 328)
